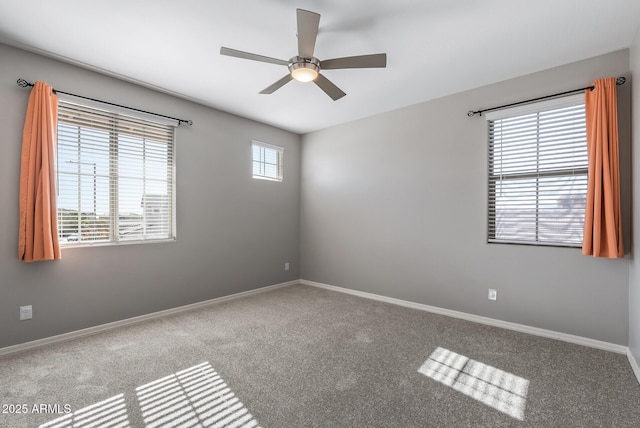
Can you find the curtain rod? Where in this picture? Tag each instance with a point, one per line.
(23, 84)
(470, 113)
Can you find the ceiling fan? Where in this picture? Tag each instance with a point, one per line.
(305, 67)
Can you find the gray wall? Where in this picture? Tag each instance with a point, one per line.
(234, 233)
(396, 205)
(634, 268)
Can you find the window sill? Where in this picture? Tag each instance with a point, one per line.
(66, 245)
(534, 244)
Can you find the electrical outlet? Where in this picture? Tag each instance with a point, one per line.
(26, 313)
(286, 266)
(493, 294)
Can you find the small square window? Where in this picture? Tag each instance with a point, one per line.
(267, 161)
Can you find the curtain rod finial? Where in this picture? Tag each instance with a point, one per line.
(23, 83)
(620, 80)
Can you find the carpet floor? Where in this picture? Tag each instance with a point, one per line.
(302, 356)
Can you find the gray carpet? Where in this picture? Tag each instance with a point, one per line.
(306, 357)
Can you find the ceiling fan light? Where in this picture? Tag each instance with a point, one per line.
(304, 74)
(304, 70)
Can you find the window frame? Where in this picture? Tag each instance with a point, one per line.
(112, 158)
(279, 165)
(536, 107)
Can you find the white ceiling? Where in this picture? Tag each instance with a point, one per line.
(434, 47)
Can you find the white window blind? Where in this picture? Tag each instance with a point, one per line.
(538, 173)
(116, 177)
(267, 161)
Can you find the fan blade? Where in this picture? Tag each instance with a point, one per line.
(308, 23)
(329, 88)
(279, 84)
(253, 57)
(362, 61)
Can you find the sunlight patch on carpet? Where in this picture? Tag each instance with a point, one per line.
(195, 397)
(111, 413)
(501, 390)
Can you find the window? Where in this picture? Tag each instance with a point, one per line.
(115, 177)
(267, 161)
(538, 173)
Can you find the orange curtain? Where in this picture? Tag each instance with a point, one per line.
(602, 222)
(38, 235)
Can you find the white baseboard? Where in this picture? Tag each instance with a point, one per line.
(634, 365)
(103, 327)
(606, 346)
